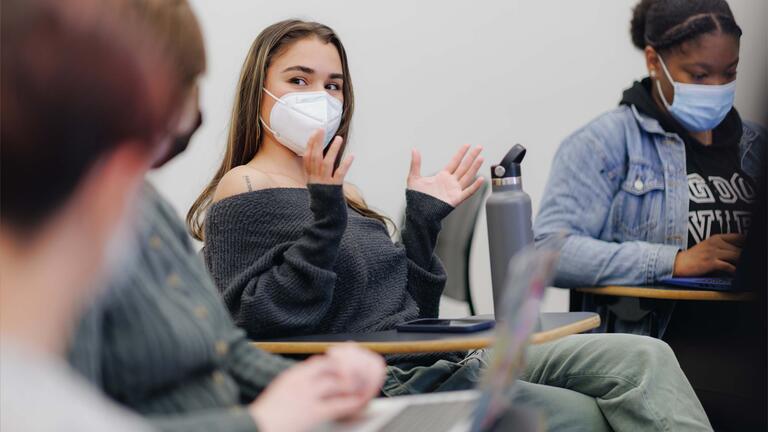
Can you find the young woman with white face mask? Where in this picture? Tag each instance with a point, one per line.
(286, 159)
(295, 251)
(661, 186)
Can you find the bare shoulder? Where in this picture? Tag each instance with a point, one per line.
(241, 179)
(353, 192)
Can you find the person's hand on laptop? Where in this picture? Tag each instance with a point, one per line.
(318, 390)
(719, 252)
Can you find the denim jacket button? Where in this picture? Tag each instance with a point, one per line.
(638, 185)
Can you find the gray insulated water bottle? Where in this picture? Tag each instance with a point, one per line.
(508, 212)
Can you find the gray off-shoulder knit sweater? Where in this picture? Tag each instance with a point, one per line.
(299, 261)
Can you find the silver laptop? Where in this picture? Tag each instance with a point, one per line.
(530, 272)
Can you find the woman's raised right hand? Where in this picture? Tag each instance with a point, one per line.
(319, 168)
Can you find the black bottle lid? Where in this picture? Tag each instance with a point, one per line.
(510, 165)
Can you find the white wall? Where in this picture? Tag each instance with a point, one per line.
(436, 74)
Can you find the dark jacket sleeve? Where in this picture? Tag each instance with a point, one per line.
(288, 288)
(253, 368)
(426, 276)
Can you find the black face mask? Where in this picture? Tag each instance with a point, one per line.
(180, 143)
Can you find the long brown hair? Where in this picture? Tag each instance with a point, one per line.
(245, 130)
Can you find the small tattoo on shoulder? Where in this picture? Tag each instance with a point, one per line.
(248, 183)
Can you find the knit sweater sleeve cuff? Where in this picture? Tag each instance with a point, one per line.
(425, 208)
(327, 201)
(423, 216)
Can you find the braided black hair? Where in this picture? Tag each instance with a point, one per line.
(665, 24)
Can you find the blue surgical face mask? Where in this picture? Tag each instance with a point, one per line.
(698, 107)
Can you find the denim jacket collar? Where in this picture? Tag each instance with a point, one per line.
(650, 125)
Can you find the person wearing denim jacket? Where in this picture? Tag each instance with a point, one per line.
(618, 187)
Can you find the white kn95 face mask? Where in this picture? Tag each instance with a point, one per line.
(295, 116)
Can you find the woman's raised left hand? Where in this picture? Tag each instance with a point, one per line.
(454, 183)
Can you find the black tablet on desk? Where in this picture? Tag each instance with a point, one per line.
(436, 325)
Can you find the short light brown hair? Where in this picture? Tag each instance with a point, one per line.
(78, 78)
(176, 28)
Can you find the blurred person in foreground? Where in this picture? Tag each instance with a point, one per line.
(160, 340)
(85, 102)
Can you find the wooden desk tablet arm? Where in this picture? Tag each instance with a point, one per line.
(664, 293)
(556, 326)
